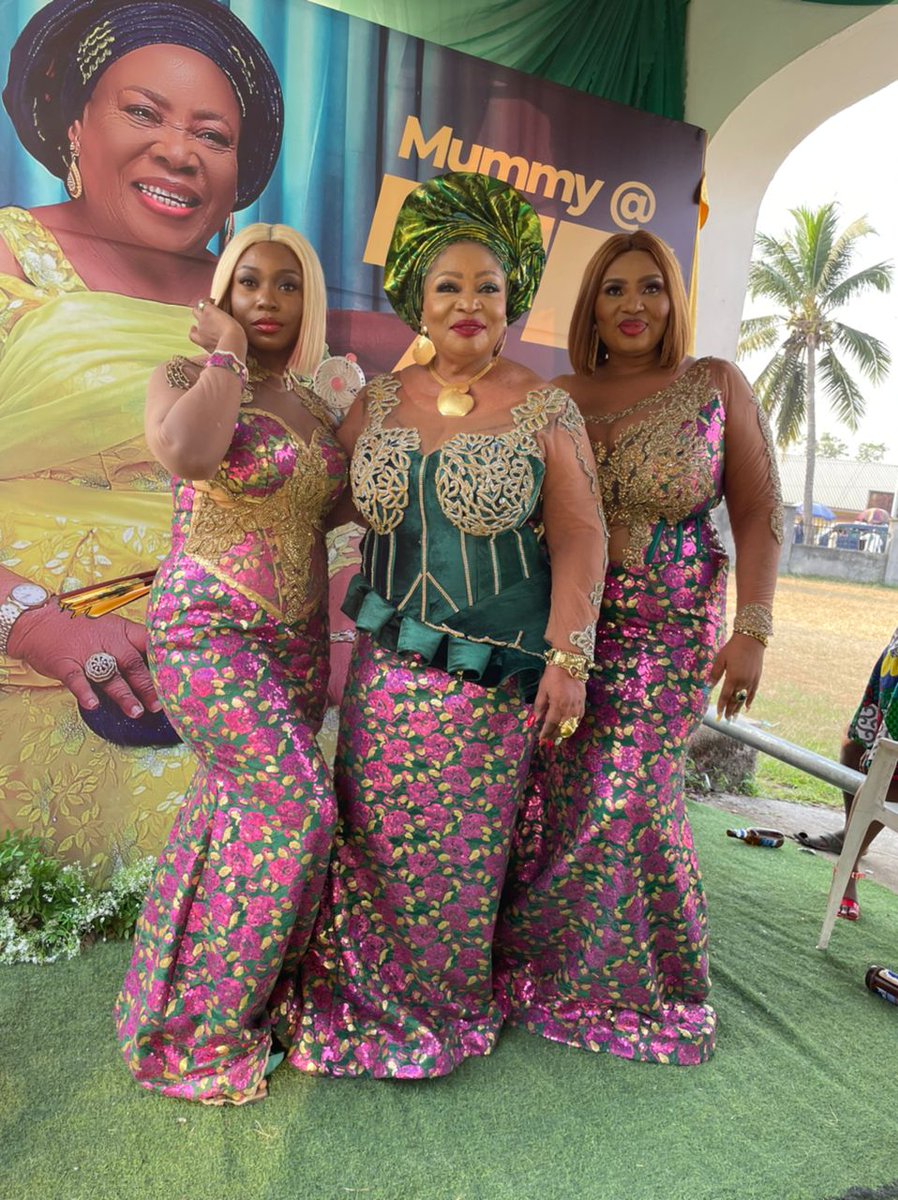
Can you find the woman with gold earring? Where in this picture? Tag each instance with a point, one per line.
(602, 942)
(471, 473)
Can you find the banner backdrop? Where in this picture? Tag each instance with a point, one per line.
(367, 113)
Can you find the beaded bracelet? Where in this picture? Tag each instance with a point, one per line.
(229, 360)
(576, 665)
(754, 621)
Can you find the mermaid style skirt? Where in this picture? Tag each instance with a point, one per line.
(398, 977)
(236, 889)
(602, 937)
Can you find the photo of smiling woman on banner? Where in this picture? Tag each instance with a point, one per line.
(160, 119)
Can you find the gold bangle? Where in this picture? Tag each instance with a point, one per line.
(576, 665)
(753, 633)
(754, 621)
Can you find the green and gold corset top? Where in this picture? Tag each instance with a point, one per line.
(454, 565)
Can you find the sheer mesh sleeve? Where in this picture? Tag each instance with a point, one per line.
(751, 487)
(575, 533)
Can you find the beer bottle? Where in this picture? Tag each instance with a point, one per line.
(883, 982)
(758, 837)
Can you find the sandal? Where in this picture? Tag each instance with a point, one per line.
(850, 910)
(832, 843)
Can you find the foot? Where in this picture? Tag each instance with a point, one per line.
(832, 843)
(274, 1061)
(849, 910)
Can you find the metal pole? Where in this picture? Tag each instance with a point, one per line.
(843, 778)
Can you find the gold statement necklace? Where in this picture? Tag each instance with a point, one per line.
(454, 399)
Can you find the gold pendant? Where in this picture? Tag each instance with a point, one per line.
(453, 402)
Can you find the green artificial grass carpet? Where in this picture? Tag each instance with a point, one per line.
(797, 1104)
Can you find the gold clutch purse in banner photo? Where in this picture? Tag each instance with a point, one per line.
(100, 598)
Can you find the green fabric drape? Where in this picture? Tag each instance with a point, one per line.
(630, 52)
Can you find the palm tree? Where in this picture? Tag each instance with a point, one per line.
(808, 274)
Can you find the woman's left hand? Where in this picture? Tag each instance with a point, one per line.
(739, 663)
(559, 698)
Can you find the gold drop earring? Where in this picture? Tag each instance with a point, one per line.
(74, 184)
(423, 349)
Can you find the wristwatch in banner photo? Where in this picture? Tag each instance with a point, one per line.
(23, 598)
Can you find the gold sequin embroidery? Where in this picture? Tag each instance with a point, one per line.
(483, 484)
(484, 481)
(288, 520)
(379, 472)
(657, 467)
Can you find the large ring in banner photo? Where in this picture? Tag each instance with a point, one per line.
(132, 130)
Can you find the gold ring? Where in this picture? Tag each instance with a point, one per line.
(568, 727)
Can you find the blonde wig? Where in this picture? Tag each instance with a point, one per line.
(585, 349)
(309, 349)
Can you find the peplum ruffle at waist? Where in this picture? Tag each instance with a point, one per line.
(497, 638)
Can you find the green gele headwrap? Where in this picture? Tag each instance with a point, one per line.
(463, 207)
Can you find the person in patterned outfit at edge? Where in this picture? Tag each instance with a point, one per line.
(471, 474)
(602, 937)
(238, 634)
(876, 717)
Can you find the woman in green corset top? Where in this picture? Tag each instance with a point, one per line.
(471, 474)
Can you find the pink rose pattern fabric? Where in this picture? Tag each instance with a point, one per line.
(398, 978)
(602, 939)
(236, 889)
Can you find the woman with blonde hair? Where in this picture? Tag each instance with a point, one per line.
(602, 941)
(238, 638)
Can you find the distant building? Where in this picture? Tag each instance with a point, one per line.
(846, 487)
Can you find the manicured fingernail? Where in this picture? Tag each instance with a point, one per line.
(136, 711)
(155, 707)
(90, 705)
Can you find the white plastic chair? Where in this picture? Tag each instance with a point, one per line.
(869, 805)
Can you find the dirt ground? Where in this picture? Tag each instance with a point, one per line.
(880, 862)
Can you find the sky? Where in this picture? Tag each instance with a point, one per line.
(849, 159)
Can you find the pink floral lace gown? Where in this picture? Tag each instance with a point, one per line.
(454, 607)
(239, 652)
(602, 940)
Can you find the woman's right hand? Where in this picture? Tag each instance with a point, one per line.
(213, 329)
(560, 698)
(58, 645)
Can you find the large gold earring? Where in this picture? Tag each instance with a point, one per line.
(423, 349)
(500, 345)
(593, 349)
(74, 184)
